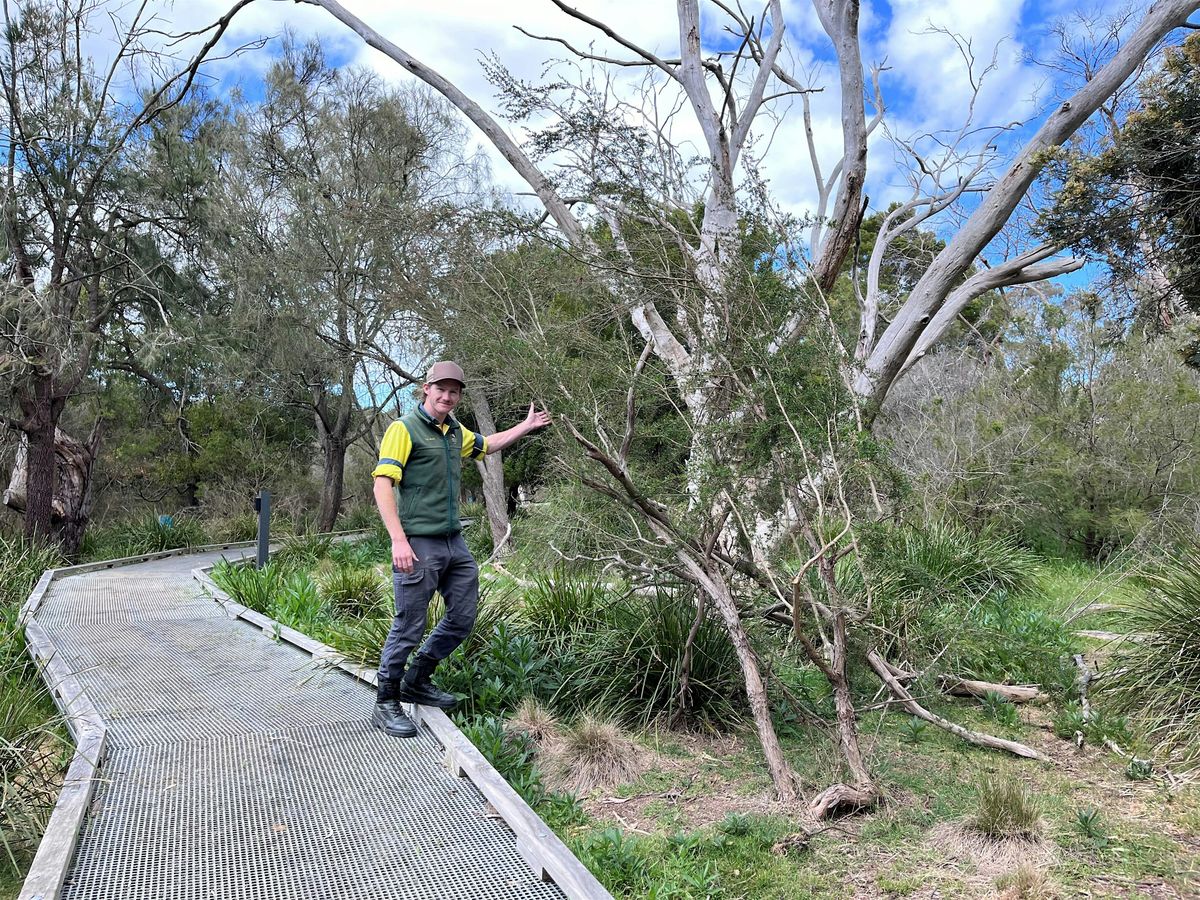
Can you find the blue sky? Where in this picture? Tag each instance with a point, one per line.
(926, 87)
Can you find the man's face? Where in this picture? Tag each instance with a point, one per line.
(442, 396)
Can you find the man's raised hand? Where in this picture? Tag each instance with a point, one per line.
(537, 418)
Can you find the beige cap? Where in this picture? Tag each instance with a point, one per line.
(446, 371)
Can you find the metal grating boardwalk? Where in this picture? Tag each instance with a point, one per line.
(237, 770)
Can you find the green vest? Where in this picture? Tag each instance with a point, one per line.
(432, 475)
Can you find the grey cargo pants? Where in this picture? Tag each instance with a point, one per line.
(444, 564)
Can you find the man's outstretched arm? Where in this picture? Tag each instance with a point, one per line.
(537, 418)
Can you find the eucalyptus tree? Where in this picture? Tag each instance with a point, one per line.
(666, 231)
(71, 127)
(344, 189)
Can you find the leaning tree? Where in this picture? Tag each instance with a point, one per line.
(667, 232)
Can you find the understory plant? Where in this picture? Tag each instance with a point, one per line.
(32, 746)
(963, 601)
(1158, 680)
(641, 657)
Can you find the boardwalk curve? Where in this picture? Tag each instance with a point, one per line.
(215, 760)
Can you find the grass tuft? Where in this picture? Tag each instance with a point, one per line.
(537, 722)
(1006, 809)
(1159, 688)
(592, 754)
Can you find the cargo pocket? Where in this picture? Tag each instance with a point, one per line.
(412, 597)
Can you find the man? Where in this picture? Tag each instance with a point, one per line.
(422, 454)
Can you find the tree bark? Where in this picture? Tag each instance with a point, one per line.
(41, 418)
(491, 470)
(332, 481)
(71, 463)
(76, 462)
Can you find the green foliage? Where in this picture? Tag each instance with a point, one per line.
(1089, 822)
(1006, 808)
(254, 588)
(350, 591)
(912, 730)
(497, 671)
(1158, 687)
(564, 604)
(140, 536)
(298, 604)
(618, 861)
(303, 551)
(373, 550)
(964, 599)
(997, 708)
(31, 745)
(1139, 769)
(1155, 225)
(1068, 720)
(511, 754)
(628, 662)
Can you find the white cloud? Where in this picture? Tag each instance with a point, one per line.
(926, 86)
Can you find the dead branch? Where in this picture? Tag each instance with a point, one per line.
(974, 737)
(1013, 693)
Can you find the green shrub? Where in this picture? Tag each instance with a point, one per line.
(618, 861)
(1068, 720)
(629, 664)
(31, 744)
(494, 672)
(563, 606)
(1159, 684)
(251, 587)
(359, 640)
(352, 591)
(997, 708)
(303, 551)
(298, 604)
(962, 600)
(141, 536)
(1006, 808)
(1139, 769)
(360, 554)
(510, 753)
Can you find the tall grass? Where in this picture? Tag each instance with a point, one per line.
(626, 658)
(31, 744)
(964, 601)
(253, 588)
(1159, 688)
(141, 536)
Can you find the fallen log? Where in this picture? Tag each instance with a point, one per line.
(879, 664)
(967, 687)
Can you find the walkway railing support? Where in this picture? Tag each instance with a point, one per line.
(262, 506)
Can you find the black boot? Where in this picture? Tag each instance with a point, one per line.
(387, 715)
(417, 688)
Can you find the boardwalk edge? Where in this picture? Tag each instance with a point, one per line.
(48, 871)
(538, 845)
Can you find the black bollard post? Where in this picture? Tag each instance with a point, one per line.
(262, 505)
